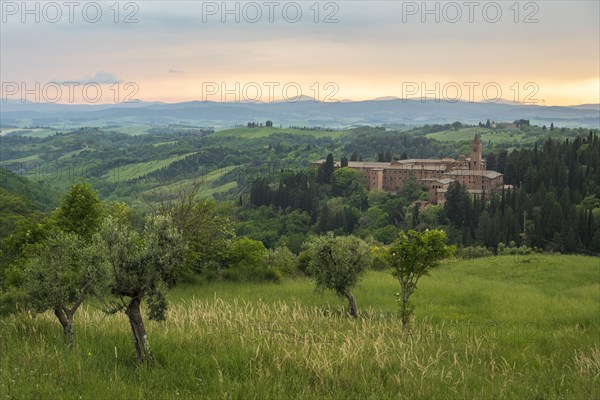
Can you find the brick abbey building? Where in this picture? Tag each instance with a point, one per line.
(434, 174)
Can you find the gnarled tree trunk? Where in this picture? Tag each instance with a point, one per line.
(353, 307)
(66, 320)
(142, 346)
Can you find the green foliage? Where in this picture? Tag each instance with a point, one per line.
(303, 260)
(264, 224)
(413, 255)
(375, 222)
(121, 213)
(433, 215)
(325, 170)
(282, 260)
(260, 192)
(456, 203)
(61, 273)
(337, 216)
(248, 260)
(13, 209)
(12, 300)
(512, 249)
(157, 304)
(28, 234)
(472, 252)
(590, 202)
(379, 258)
(59, 269)
(21, 204)
(296, 190)
(207, 230)
(413, 190)
(80, 211)
(337, 263)
(140, 264)
(245, 252)
(551, 182)
(351, 184)
(375, 217)
(34, 194)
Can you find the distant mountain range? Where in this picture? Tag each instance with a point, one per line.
(306, 112)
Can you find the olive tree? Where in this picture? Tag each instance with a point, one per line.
(336, 263)
(138, 265)
(59, 277)
(59, 265)
(411, 256)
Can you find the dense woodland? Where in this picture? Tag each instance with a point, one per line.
(556, 195)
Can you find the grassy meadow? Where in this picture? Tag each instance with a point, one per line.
(502, 327)
(508, 135)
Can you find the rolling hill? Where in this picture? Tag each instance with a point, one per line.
(302, 113)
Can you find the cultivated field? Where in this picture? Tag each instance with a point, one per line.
(251, 133)
(505, 327)
(135, 170)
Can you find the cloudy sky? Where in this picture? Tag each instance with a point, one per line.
(546, 51)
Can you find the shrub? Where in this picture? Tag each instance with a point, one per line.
(248, 261)
(379, 258)
(512, 249)
(283, 260)
(471, 252)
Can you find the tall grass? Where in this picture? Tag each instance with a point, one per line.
(495, 328)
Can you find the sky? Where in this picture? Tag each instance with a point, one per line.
(543, 52)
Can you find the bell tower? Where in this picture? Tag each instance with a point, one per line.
(475, 163)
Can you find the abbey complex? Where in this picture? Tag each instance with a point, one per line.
(434, 174)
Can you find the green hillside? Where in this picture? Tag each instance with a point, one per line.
(250, 133)
(20, 199)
